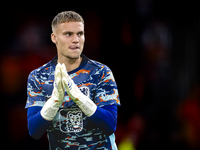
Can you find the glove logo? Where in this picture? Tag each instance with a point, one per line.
(70, 85)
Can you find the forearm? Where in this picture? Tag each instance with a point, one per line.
(37, 125)
(105, 118)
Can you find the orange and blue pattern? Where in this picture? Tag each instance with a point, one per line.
(70, 127)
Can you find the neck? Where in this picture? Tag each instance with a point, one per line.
(70, 64)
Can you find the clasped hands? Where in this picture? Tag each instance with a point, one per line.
(63, 82)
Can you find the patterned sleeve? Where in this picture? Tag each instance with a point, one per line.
(35, 95)
(107, 92)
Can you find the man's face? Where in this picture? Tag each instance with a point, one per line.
(69, 39)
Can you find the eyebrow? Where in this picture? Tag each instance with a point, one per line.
(70, 32)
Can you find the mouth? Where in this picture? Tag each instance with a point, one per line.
(74, 47)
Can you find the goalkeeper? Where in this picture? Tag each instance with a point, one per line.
(73, 98)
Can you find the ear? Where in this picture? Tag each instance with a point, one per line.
(53, 38)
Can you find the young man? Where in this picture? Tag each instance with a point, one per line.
(73, 98)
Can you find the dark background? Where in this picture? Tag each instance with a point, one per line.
(151, 46)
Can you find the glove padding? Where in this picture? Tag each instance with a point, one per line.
(51, 107)
(84, 103)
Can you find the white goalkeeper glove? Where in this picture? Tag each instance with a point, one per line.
(51, 107)
(84, 103)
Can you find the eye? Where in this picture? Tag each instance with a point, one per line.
(68, 34)
(80, 33)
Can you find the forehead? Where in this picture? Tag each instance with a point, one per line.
(70, 26)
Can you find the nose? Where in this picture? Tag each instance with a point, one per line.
(75, 39)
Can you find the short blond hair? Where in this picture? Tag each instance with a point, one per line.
(66, 16)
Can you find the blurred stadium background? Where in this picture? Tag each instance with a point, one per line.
(152, 47)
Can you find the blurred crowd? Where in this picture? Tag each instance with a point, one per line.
(151, 47)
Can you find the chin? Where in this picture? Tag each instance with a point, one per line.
(73, 56)
(70, 57)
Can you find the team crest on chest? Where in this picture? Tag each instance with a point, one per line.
(85, 90)
(71, 120)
